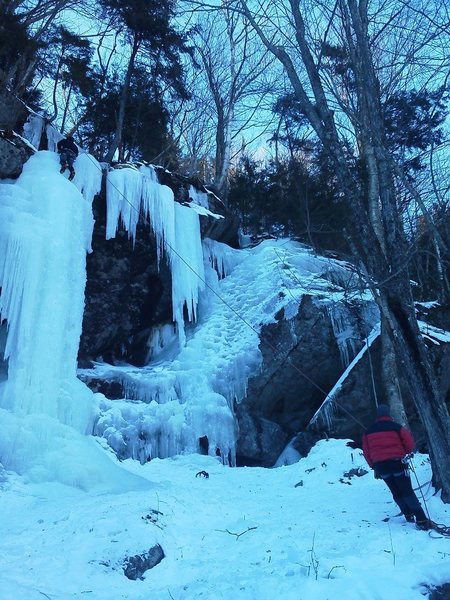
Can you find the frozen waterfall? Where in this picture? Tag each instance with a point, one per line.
(46, 411)
(185, 402)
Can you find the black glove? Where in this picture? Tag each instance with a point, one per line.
(353, 445)
(375, 474)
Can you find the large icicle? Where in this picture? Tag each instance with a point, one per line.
(45, 226)
(188, 273)
(132, 192)
(33, 128)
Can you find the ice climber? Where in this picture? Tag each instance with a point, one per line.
(386, 445)
(68, 151)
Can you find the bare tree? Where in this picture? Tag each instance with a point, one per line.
(232, 82)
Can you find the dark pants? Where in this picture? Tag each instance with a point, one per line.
(396, 477)
(67, 158)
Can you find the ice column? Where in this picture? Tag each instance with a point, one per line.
(45, 227)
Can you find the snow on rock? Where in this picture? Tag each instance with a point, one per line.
(434, 334)
(45, 231)
(175, 405)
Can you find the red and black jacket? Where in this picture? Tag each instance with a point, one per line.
(386, 440)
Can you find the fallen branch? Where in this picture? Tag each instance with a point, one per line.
(238, 535)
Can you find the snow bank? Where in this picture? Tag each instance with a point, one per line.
(310, 531)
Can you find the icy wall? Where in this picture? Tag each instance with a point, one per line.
(181, 399)
(46, 228)
(46, 411)
(133, 193)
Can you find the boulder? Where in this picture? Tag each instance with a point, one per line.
(134, 567)
(301, 363)
(14, 152)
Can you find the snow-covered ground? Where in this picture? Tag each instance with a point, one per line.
(74, 513)
(301, 532)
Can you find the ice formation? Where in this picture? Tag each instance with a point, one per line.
(132, 192)
(46, 411)
(187, 392)
(349, 320)
(178, 401)
(45, 226)
(324, 413)
(33, 128)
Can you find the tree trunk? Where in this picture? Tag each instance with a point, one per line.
(117, 139)
(389, 373)
(414, 362)
(223, 155)
(66, 109)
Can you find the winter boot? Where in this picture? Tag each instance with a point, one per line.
(410, 518)
(424, 525)
(62, 169)
(72, 175)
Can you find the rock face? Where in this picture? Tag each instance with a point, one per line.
(14, 152)
(126, 294)
(441, 592)
(12, 110)
(301, 363)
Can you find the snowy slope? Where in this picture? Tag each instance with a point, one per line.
(306, 534)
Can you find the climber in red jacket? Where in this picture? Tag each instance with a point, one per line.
(386, 445)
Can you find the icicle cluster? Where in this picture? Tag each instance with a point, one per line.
(133, 192)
